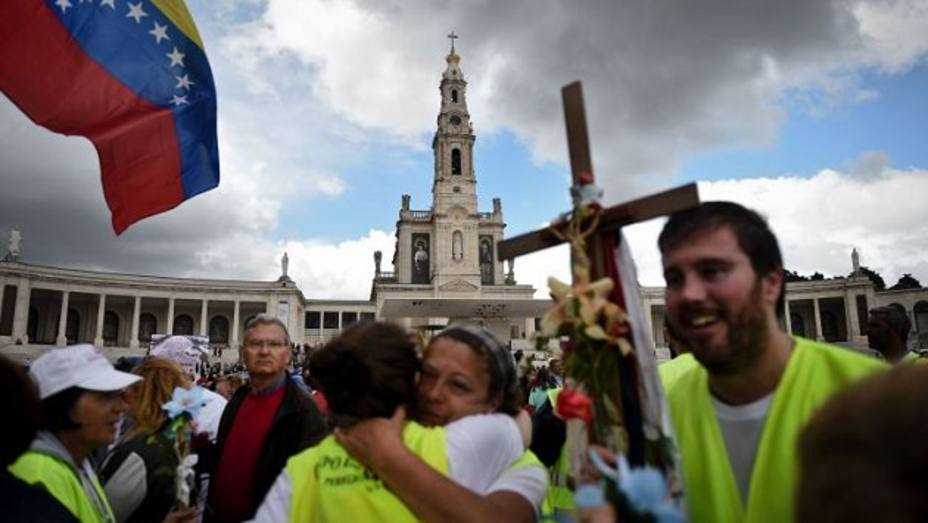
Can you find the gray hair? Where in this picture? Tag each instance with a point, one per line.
(266, 319)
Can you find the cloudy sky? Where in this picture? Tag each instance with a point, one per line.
(813, 112)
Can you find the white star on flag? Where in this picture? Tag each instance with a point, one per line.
(184, 81)
(109, 3)
(63, 4)
(179, 100)
(135, 12)
(160, 32)
(177, 57)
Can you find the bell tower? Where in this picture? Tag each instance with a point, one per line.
(454, 184)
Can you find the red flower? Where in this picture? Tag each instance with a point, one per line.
(573, 404)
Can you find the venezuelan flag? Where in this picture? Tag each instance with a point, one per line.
(132, 76)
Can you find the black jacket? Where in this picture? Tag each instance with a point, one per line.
(297, 425)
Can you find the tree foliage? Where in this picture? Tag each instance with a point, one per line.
(907, 281)
(875, 277)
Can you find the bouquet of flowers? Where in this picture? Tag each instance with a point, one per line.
(184, 405)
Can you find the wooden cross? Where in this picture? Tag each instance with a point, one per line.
(452, 37)
(601, 246)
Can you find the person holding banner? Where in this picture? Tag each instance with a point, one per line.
(739, 413)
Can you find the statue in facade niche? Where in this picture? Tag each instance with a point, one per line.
(284, 265)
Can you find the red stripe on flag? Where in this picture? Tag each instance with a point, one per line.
(46, 74)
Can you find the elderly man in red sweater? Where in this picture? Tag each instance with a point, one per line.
(267, 420)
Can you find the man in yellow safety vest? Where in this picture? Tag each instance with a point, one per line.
(737, 415)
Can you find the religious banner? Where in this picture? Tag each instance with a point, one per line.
(420, 258)
(186, 350)
(486, 259)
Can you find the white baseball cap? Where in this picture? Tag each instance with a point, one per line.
(77, 366)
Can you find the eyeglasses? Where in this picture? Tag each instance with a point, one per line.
(257, 344)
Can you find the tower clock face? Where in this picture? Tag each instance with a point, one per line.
(455, 120)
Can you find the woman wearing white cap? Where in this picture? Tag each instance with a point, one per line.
(82, 403)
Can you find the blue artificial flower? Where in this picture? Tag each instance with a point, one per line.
(644, 488)
(185, 401)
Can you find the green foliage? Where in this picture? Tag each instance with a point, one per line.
(907, 281)
(875, 277)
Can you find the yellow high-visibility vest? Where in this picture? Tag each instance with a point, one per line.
(815, 371)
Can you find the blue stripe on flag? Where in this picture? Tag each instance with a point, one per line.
(133, 55)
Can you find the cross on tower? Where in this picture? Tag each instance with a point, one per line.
(452, 37)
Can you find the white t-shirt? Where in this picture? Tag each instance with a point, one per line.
(741, 428)
(480, 448)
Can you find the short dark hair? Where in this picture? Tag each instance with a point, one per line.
(862, 456)
(897, 319)
(750, 229)
(498, 360)
(56, 410)
(20, 411)
(367, 371)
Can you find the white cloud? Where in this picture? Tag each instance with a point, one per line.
(896, 31)
(817, 221)
(341, 270)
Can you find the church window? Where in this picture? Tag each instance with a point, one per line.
(454, 96)
(455, 161)
(148, 325)
(219, 330)
(183, 325)
(32, 324)
(110, 328)
(921, 317)
(457, 245)
(798, 324)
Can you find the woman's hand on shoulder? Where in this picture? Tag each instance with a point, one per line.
(374, 441)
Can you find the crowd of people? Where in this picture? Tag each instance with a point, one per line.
(373, 427)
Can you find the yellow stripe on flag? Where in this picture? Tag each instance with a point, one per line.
(177, 13)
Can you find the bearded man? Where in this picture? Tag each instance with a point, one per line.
(738, 414)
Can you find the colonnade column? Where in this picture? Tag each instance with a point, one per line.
(134, 333)
(850, 314)
(818, 320)
(21, 311)
(789, 323)
(169, 325)
(101, 308)
(203, 316)
(235, 326)
(62, 338)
